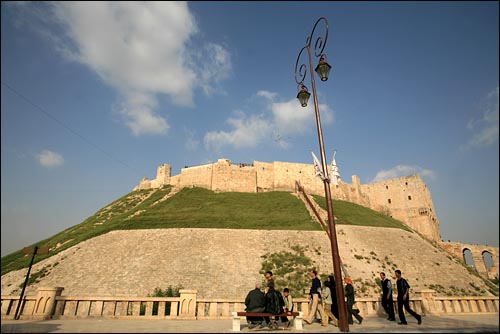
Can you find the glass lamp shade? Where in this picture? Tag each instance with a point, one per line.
(323, 69)
(303, 96)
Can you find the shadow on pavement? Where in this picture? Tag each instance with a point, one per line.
(31, 327)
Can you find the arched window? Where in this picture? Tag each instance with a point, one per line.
(469, 261)
(488, 260)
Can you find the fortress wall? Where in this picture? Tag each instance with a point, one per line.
(199, 176)
(155, 184)
(352, 192)
(265, 176)
(228, 177)
(410, 199)
(407, 199)
(341, 191)
(311, 182)
(424, 225)
(144, 184)
(175, 181)
(285, 175)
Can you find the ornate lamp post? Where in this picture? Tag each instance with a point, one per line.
(323, 69)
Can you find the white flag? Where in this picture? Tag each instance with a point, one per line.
(317, 167)
(334, 171)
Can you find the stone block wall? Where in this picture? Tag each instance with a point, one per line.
(199, 176)
(265, 176)
(225, 263)
(407, 198)
(238, 178)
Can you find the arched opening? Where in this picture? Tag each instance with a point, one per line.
(45, 305)
(40, 306)
(488, 260)
(469, 261)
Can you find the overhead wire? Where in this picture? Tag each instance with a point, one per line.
(46, 113)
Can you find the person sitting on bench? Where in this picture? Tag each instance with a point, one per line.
(255, 302)
(274, 304)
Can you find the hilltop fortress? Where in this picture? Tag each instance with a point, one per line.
(117, 263)
(406, 198)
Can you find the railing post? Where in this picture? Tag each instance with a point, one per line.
(46, 302)
(187, 304)
(428, 301)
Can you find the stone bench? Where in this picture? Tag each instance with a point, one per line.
(297, 318)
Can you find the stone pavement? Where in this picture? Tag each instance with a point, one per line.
(431, 324)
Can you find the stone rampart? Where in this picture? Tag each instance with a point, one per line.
(227, 177)
(265, 176)
(406, 198)
(225, 263)
(199, 176)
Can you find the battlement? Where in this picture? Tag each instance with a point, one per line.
(406, 198)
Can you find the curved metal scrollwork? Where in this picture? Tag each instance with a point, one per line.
(302, 70)
(319, 46)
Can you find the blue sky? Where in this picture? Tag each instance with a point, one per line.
(95, 96)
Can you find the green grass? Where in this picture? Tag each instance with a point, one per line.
(117, 211)
(347, 213)
(199, 208)
(202, 208)
(190, 208)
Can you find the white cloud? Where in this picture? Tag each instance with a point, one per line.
(137, 113)
(485, 127)
(50, 159)
(247, 131)
(291, 118)
(140, 49)
(266, 94)
(212, 64)
(285, 119)
(402, 170)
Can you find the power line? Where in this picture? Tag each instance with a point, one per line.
(67, 127)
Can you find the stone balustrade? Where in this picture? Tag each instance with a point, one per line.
(49, 304)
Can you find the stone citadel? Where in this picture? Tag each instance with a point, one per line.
(135, 262)
(406, 199)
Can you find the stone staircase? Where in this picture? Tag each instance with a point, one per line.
(316, 212)
(172, 192)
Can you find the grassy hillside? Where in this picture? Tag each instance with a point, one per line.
(202, 208)
(103, 221)
(199, 208)
(347, 213)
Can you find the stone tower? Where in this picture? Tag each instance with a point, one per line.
(163, 174)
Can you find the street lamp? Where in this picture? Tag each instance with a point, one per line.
(323, 70)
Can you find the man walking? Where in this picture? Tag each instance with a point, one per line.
(315, 300)
(387, 301)
(404, 300)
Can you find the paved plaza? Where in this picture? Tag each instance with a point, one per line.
(431, 324)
